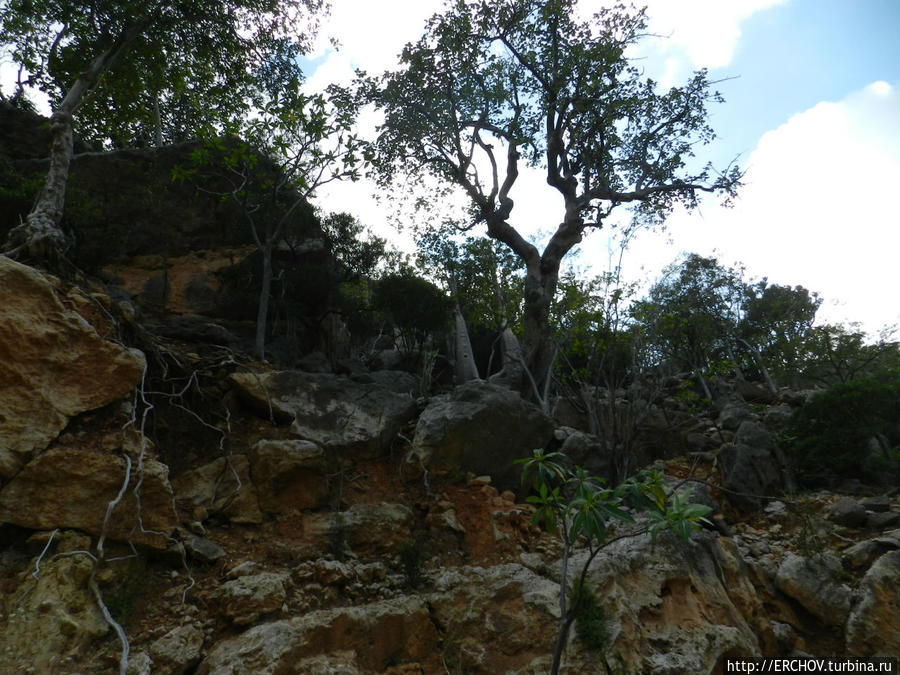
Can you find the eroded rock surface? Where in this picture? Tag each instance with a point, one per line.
(53, 364)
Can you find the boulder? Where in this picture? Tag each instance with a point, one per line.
(367, 529)
(813, 582)
(872, 626)
(480, 428)
(588, 451)
(50, 619)
(71, 486)
(288, 475)
(53, 364)
(176, 651)
(246, 598)
(222, 486)
(847, 512)
(750, 474)
(674, 606)
(733, 414)
(333, 411)
(366, 638)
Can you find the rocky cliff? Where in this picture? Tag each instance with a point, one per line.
(232, 518)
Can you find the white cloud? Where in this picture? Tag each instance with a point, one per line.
(817, 209)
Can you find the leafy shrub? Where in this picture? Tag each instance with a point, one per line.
(829, 436)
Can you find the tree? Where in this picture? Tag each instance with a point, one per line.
(109, 59)
(309, 138)
(691, 315)
(577, 506)
(491, 84)
(775, 325)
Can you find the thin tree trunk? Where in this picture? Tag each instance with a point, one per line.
(262, 311)
(157, 122)
(466, 369)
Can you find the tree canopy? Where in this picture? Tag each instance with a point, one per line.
(491, 85)
(178, 67)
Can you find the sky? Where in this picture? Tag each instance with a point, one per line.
(812, 112)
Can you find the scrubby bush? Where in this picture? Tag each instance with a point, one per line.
(851, 430)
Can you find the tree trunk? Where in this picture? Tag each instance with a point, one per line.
(262, 311)
(40, 238)
(540, 287)
(466, 369)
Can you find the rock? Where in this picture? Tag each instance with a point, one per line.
(588, 451)
(699, 441)
(314, 362)
(754, 434)
(246, 598)
(733, 414)
(847, 512)
(330, 410)
(878, 504)
(872, 627)
(813, 583)
(177, 651)
(222, 486)
(482, 428)
(53, 365)
(139, 663)
(750, 473)
(397, 381)
(675, 607)
(288, 475)
(367, 529)
(862, 554)
(70, 487)
(364, 638)
(56, 618)
(202, 549)
(778, 415)
(197, 329)
(880, 521)
(502, 618)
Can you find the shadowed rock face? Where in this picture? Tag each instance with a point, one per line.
(335, 412)
(481, 428)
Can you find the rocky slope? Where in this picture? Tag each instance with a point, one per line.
(232, 518)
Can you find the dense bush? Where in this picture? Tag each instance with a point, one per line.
(831, 436)
(414, 307)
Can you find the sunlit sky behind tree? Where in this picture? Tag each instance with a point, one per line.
(812, 108)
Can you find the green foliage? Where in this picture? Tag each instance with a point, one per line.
(415, 308)
(828, 437)
(590, 618)
(179, 59)
(577, 506)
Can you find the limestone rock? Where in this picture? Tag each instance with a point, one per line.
(733, 414)
(220, 487)
(813, 583)
(50, 618)
(288, 475)
(482, 428)
(367, 529)
(676, 607)
(53, 365)
(247, 597)
(199, 548)
(364, 638)
(332, 411)
(749, 471)
(176, 651)
(847, 512)
(70, 487)
(872, 627)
